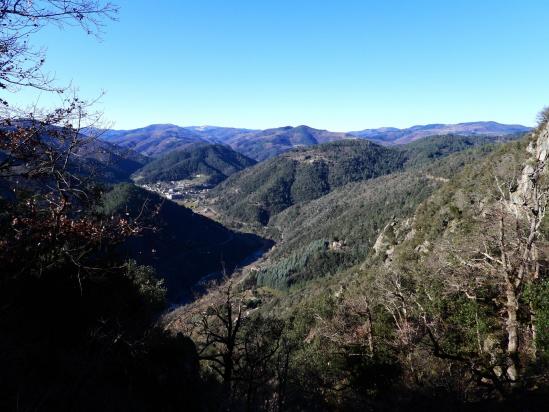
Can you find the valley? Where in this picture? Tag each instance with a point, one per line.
(324, 249)
(324, 206)
(189, 192)
(199, 212)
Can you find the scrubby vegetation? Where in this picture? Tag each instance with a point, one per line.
(413, 278)
(423, 322)
(424, 151)
(348, 219)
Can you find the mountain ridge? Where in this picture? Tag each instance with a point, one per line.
(396, 136)
(158, 139)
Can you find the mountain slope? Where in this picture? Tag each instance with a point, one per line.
(92, 157)
(157, 140)
(264, 144)
(154, 140)
(300, 175)
(390, 135)
(427, 149)
(429, 308)
(336, 228)
(213, 160)
(108, 162)
(182, 246)
(435, 295)
(344, 223)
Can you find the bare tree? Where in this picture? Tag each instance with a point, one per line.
(21, 64)
(244, 350)
(494, 267)
(220, 328)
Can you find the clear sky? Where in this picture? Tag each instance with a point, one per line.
(339, 65)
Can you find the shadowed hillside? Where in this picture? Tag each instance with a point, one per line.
(181, 245)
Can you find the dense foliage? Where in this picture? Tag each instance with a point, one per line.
(424, 151)
(301, 175)
(349, 219)
(257, 193)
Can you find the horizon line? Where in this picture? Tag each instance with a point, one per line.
(317, 128)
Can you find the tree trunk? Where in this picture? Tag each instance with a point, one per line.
(534, 331)
(512, 332)
(228, 371)
(369, 330)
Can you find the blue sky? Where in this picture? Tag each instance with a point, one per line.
(338, 65)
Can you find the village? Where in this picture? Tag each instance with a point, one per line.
(188, 190)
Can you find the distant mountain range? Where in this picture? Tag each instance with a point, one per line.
(157, 140)
(264, 144)
(393, 136)
(218, 134)
(154, 140)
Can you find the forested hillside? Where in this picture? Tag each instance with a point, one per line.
(301, 175)
(385, 270)
(257, 193)
(344, 224)
(338, 230)
(216, 162)
(365, 242)
(447, 308)
(397, 273)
